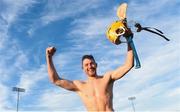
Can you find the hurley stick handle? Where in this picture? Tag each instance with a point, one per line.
(131, 43)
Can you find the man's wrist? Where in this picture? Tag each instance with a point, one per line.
(48, 55)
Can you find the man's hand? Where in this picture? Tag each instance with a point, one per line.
(50, 51)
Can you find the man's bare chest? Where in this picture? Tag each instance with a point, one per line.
(98, 89)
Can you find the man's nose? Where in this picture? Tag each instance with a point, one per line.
(89, 66)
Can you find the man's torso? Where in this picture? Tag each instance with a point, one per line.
(97, 95)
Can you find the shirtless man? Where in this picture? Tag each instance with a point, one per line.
(97, 91)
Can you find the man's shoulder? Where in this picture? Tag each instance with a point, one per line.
(107, 75)
(79, 82)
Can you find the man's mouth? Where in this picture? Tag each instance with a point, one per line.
(91, 70)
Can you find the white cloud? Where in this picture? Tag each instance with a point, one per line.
(4, 95)
(90, 26)
(56, 10)
(30, 78)
(12, 9)
(146, 11)
(59, 100)
(14, 59)
(174, 92)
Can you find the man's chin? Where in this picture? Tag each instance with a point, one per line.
(92, 74)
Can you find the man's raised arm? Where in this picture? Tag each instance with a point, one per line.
(122, 70)
(53, 76)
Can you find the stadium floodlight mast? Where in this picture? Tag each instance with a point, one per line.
(18, 90)
(131, 99)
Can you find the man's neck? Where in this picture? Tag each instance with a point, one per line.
(93, 78)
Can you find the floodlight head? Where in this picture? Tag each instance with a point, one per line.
(18, 89)
(132, 98)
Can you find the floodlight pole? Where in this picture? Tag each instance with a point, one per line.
(131, 99)
(18, 90)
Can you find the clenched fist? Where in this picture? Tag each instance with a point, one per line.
(50, 51)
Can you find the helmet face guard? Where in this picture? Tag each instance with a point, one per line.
(115, 31)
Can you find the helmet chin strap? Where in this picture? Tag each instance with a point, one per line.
(150, 29)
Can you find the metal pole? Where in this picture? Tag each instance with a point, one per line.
(131, 99)
(18, 90)
(133, 105)
(17, 100)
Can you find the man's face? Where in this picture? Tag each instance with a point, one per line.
(89, 67)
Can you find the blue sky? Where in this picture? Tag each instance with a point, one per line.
(75, 28)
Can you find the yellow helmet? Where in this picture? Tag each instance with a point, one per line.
(114, 32)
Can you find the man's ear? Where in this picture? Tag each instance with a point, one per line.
(96, 65)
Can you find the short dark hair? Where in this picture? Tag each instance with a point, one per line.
(88, 57)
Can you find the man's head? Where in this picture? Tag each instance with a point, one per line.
(89, 65)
